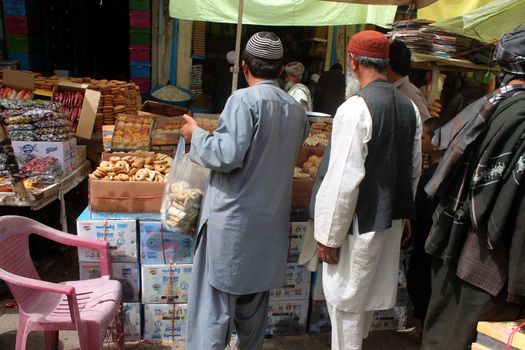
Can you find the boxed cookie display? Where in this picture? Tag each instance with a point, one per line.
(165, 321)
(17, 85)
(80, 104)
(132, 321)
(132, 132)
(121, 235)
(208, 122)
(296, 285)
(126, 273)
(166, 283)
(287, 317)
(135, 185)
(158, 245)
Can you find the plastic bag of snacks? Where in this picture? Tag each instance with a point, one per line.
(183, 193)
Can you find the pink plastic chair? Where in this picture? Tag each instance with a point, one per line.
(87, 306)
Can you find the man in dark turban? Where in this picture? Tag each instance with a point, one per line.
(478, 236)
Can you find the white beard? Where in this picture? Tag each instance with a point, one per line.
(352, 84)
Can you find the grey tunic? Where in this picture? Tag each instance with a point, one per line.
(247, 204)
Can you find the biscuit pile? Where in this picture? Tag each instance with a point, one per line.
(183, 207)
(321, 127)
(316, 140)
(132, 132)
(146, 166)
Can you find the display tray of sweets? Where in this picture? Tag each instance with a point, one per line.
(208, 122)
(166, 131)
(132, 132)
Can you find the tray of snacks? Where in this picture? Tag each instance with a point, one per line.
(166, 131)
(132, 132)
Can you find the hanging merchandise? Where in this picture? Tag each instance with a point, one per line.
(183, 193)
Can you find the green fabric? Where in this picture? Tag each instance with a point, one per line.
(283, 12)
(489, 22)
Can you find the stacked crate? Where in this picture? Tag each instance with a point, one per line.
(166, 265)
(288, 307)
(24, 38)
(140, 43)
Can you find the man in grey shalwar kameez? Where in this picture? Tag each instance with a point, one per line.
(243, 232)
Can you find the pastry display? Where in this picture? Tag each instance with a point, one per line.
(316, 140)
(134, 166)
(298, 173)
(132, 132)
(312, 165)
(183, 207)
(321, 127)
(171, 93)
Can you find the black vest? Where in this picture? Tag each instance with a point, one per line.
(386, 192)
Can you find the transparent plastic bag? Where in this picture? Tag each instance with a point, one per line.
(183, 193)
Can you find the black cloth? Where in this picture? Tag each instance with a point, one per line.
(478, 221)
(223, 89)
(386, 194)
(455, 308)
(418, 272)
(330, 92)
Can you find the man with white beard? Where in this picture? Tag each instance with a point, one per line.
(367, 192)
(294, 87)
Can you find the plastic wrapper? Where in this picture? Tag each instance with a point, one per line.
(23, 135)
(183, 193)
(13, 127)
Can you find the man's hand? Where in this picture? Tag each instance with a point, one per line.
(188, 128)
(327, 254)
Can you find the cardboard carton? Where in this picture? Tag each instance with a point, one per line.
(18, 80)
(287, 317)
(166, 283)
(63, 151)
(298, 230)
(121, 235)
(389, 319)
(495, 335)
(297, 284)
(158, 245)
(89, 106)
(126, 273)
(165, 321)
(301, 192)
(125, 196)
(132, 321)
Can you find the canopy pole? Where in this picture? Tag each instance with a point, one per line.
(235, 69)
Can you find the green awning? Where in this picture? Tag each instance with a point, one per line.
(283, 12)
(489, 22)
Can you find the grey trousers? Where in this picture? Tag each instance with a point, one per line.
(213, 314)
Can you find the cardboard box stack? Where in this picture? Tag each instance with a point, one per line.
(25, 38)
(153, 264)
(166, 262)
(140, 44)
(288, 308)
(500, 335)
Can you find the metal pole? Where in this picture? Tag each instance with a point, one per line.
(235, 69)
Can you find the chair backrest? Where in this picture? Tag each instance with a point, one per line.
(14, 253)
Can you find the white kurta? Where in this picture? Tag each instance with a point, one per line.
(365, 278)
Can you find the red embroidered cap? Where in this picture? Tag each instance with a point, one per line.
(369, 43)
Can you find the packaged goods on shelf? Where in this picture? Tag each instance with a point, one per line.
(158, 245)
(287, 317)
(166, 283)
(298, 230)
(132, 321)
(126, 273)
(121, 235)
(65, 152)
(17, 85)
(165, 321)
(296, 285)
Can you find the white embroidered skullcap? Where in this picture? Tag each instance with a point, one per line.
(265, 45)
(314, 77)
